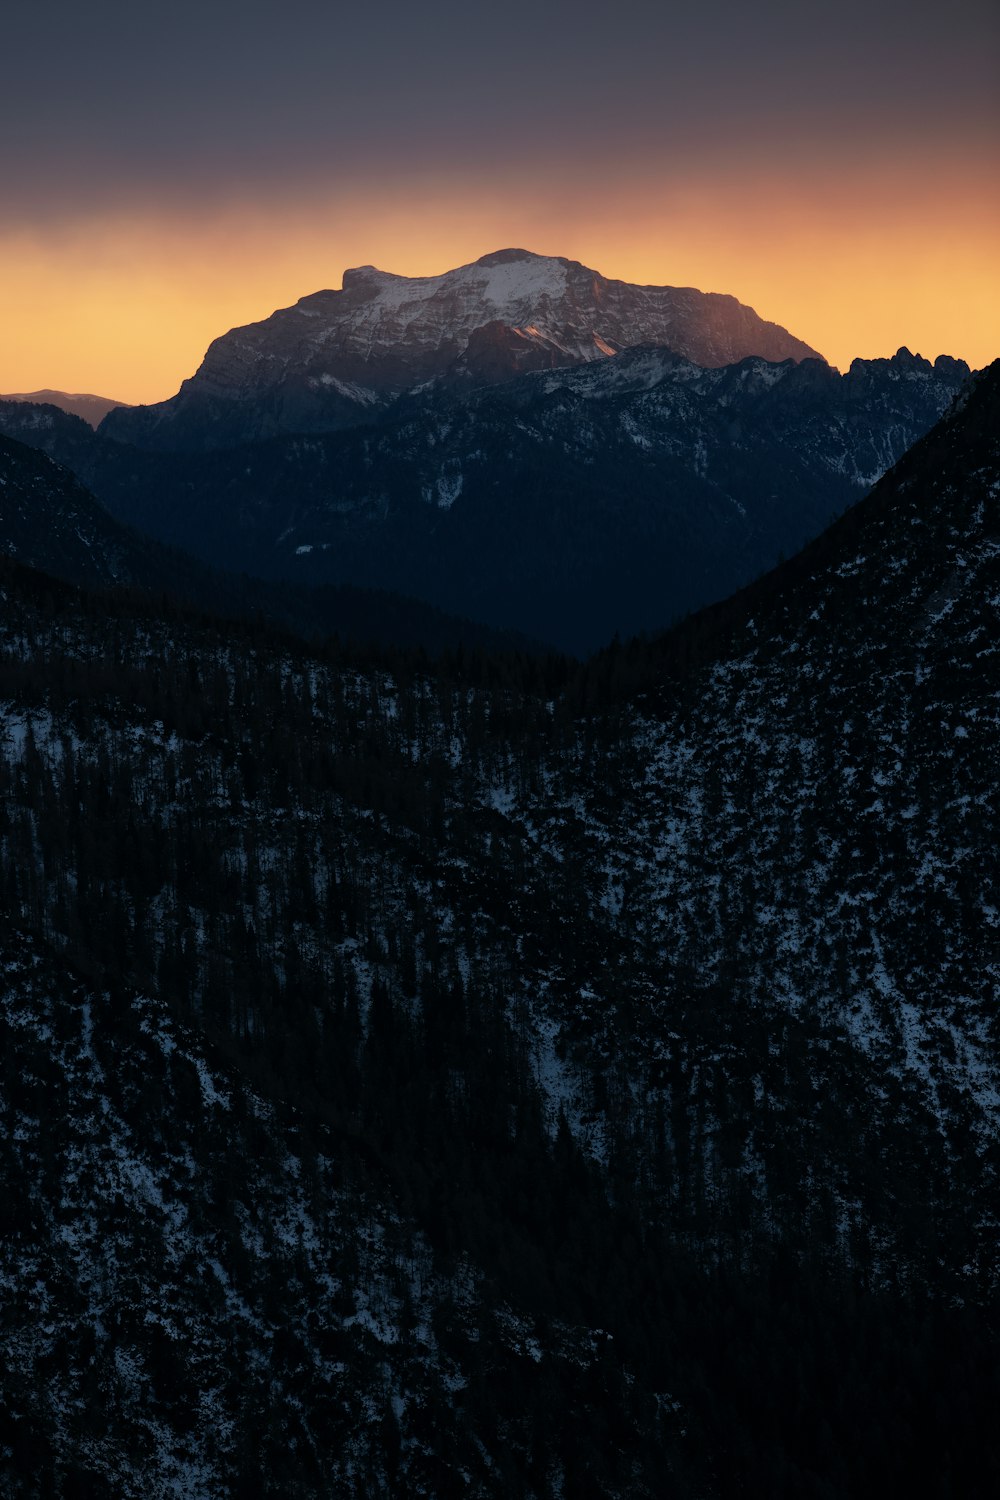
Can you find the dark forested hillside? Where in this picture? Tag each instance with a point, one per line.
(493, 1080)
(50, 521)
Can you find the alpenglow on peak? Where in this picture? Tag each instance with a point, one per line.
(338, 358)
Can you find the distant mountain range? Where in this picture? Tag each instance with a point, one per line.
(92, 409)
(520, 441)
(340, 358)
(567, 504)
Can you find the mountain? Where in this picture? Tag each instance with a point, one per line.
(568, 504)
(92, 409)
(48, 520)
(506, 1080)
(51, 522)
(339, 358)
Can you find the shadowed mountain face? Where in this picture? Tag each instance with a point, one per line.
(51, 522)
(338, 359)
(569, 504)
(450, 1085)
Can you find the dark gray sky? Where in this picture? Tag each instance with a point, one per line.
(170, 171)
(116, 97)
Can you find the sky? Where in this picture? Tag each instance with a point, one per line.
(168, 172)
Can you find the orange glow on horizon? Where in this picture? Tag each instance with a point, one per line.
(855, 264)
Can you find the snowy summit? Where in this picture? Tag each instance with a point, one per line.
(337, 357)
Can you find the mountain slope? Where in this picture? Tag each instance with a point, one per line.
(204, 1298)
(49, 521)
(670, 1018)
(807, 839)
(337, 359)
(570, 504)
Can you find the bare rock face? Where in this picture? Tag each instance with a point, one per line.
(339, 359)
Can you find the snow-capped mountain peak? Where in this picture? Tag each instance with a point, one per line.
(335, 358)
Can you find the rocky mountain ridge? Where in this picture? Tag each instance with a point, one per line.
(569, 504)
(339, 358)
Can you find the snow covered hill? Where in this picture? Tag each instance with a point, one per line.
(803, 843)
